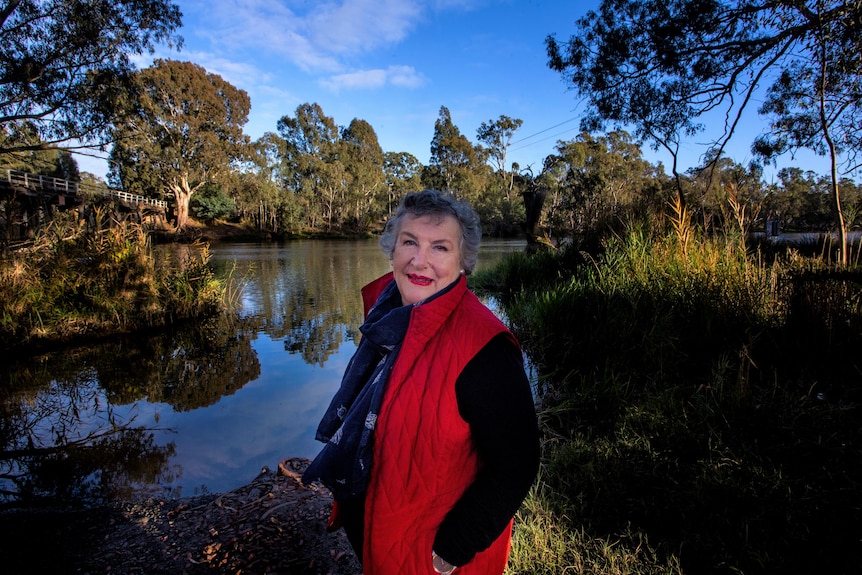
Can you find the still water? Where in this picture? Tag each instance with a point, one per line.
(202, 409)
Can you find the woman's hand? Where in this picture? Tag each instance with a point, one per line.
(441, 565)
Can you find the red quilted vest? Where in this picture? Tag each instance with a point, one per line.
(424, 458)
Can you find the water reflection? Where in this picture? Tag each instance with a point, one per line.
(306, 292)
(201, 408)
(62, 438)
(71, 421)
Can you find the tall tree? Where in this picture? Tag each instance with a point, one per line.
(604, 178)
(456, 165)
(661, 65)
(497, 136)
(364, 162)
(816, 103)
(65, 63)
(183, 129)
(312, 146)
(795, 200)
(265, 190)
(403, 172)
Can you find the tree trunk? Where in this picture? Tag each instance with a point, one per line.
(182, 196)
(836, 201)
(534, 200)
(833, 162)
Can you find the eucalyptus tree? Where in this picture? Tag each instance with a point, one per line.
(601, 180)
(183, 129)
(403, 174)
(794, 200)
(667, 67)
(364, 163)
(502, 206)
(257, 200)
(455, 165)
(64, 64)
(266, 190)
(312, 153)
(816, 103)
(497, 137)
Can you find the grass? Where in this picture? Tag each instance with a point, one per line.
(76, 282)
(545, 543)
(699, 405)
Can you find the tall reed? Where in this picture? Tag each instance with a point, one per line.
(695, 397)
(78, 281)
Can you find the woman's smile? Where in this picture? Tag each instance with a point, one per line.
(419, 280)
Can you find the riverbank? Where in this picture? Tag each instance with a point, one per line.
(701, 405)
(221, 231)
(274, 524)
(215, 232)
(76, 282)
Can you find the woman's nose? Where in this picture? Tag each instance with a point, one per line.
(420, 258)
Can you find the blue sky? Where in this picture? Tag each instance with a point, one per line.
(394, 63)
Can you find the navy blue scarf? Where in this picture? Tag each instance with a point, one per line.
(347, 427)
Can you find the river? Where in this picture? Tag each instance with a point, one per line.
(204, 408)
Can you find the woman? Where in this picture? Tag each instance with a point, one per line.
(431, 440)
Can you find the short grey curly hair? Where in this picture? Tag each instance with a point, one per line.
(436, 203)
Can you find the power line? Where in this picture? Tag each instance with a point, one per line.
(542, 132)
(543, 139)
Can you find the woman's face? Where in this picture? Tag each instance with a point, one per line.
(427, 255)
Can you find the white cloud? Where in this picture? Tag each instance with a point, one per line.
(356, 26)
(313, 35)
(400, 76)
(364, 79)
(405, 77)
(256, 26)
(232, 71)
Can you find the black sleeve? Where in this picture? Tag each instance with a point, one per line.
(495, 399)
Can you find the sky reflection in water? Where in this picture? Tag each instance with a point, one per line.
(229, 400)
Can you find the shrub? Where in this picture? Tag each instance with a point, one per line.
(692, 397)
(212, 204)
(75, 282)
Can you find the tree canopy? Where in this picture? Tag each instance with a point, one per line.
(663, 65)
(182, 129)
(64, 64)
(365, 182)
(312, 162)
(456, 164)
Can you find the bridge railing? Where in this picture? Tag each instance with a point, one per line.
(59, 185)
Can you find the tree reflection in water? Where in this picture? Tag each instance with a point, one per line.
(306, 293)
(61, 436)
(90, 422)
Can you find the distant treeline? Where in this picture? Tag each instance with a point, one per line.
(314, 176)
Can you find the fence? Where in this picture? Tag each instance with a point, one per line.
(61, 186)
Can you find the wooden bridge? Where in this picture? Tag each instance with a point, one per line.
(27, 201)
(33, 184)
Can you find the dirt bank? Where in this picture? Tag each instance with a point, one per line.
(272, 525)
